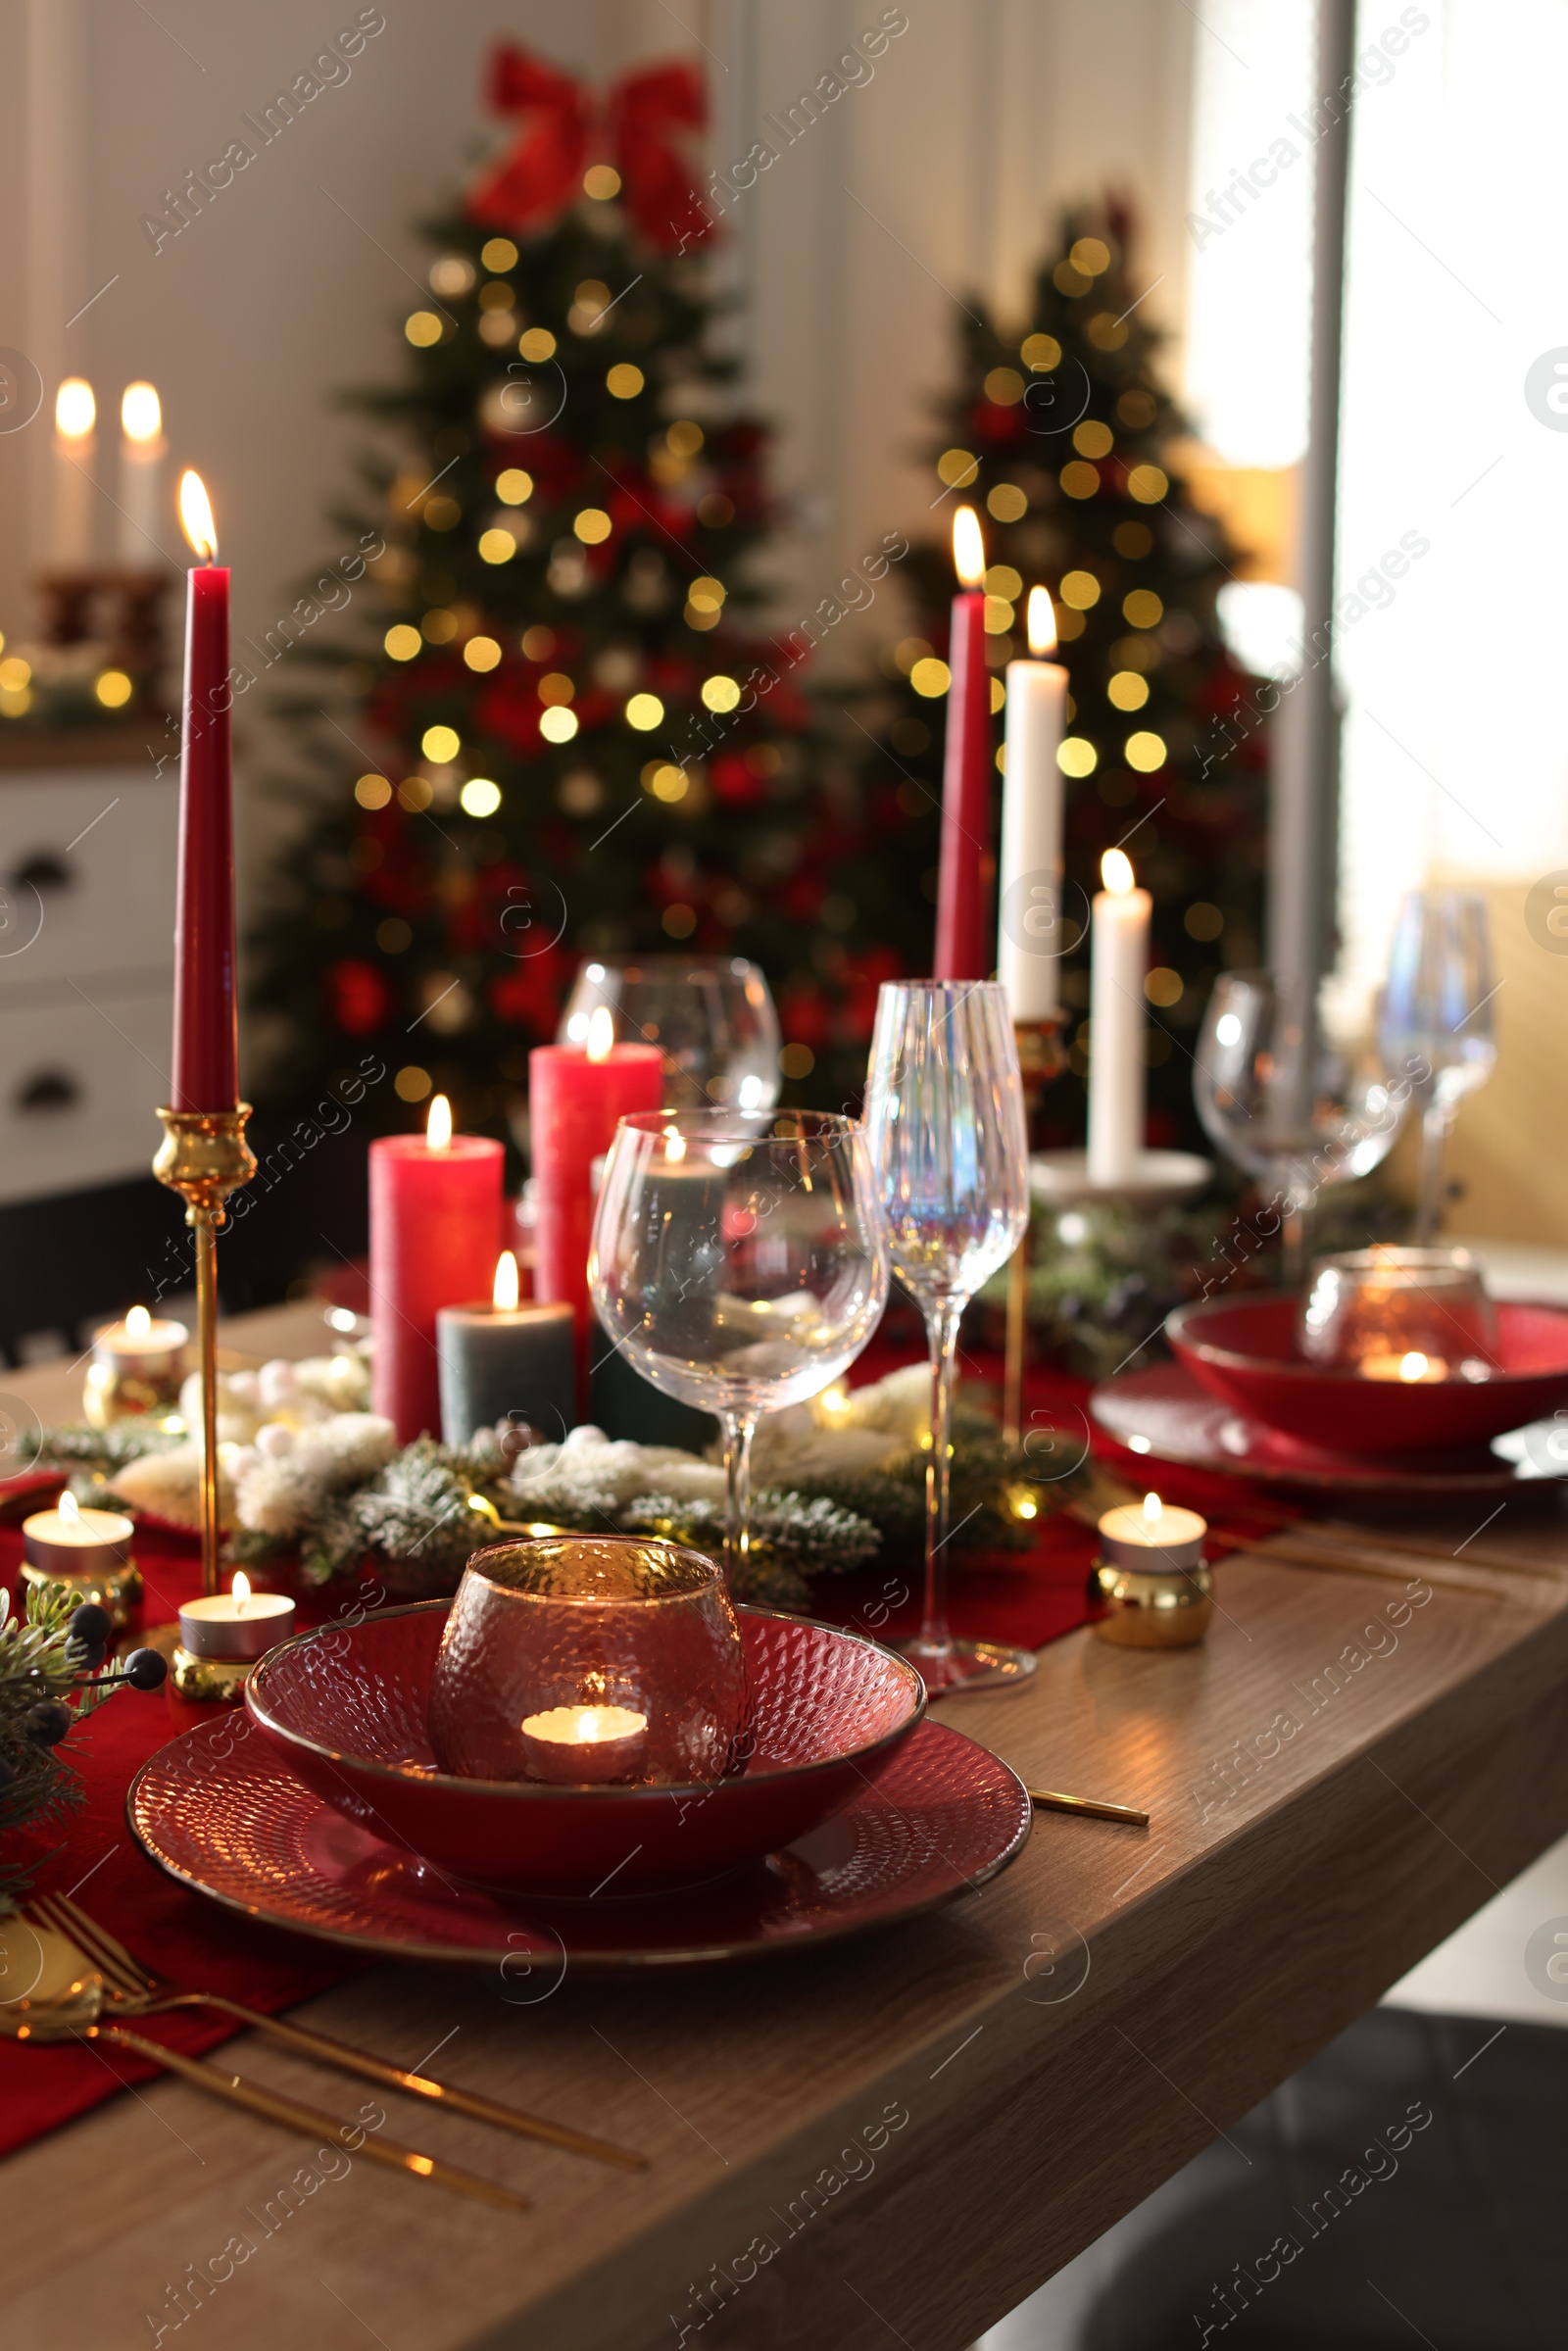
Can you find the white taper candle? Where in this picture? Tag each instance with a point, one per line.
(1118, 962)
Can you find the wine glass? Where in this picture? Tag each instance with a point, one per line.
(944, 1111)
(712, 1018)
(1278, 1096)
(1436, 1008)
(741, 1262)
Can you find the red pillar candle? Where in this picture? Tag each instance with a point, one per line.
(206, 1072)
(963, 941)
(435, 1225)
(575, 1097)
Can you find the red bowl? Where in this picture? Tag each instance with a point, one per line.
(1245, 1352)
(346, 1708)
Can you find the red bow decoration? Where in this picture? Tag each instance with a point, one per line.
(633, 121)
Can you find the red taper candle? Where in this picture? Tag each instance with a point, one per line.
(963, 934)
(577, 1097)
(435, 1231)
(206, 1072)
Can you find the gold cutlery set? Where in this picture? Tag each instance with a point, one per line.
(64, 1977)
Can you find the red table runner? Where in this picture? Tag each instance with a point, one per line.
(1027, 1598)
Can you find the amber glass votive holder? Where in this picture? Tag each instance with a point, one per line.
(588, 1660)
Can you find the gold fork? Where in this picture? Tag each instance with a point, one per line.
(130, 1990)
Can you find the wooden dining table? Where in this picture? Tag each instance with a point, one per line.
(895, 2139)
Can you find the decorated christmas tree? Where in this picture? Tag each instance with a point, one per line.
(1060, 432)
(563, 729)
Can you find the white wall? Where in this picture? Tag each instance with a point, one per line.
(977, 123)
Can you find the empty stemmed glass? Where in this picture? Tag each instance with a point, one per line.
(741, 1262)
(1287, 1102)
(943, 1110)
(711, 1017)
(1436, 1009)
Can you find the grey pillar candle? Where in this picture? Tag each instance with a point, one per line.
(500, 1362)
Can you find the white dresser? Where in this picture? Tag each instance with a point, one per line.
(86, 970)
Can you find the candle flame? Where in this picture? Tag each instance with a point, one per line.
(1042, 623)
(968, 548)
(196, 515)
(240, 1589)
(438, 1126)
(1412, 1366)
(674, 1143)
(600, 1033)
(76, 410)
(1117, 872)
(142, 418)
(504, 1292)
(138, 1323)
(1154, 1511)
(69, 1511)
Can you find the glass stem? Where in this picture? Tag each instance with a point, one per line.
(1296, 1227)
(942, 1331)
(739, 1429)
(1437, 1124)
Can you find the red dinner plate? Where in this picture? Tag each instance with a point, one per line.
(1164, 1415)
(219, 1812)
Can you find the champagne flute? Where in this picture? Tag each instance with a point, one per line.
(741, 1262)
(943, 1110)
(1436, 1008)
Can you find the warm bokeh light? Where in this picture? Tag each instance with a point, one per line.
(1412, 1366)
(196, 515)
(600, 1033)
(674, 1143)
(1117, 872)
(1041, 622)
(968, 548)
(505, 1292)
(138, 1323)
(438, 1126)
(76, 410)
(142, 418)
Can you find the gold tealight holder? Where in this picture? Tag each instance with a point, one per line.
(137, 1367)
(84, 1553)
(208, 1681)
(1151, 1578)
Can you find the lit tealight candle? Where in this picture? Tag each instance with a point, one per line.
(239, 1625)
(579, 1745)
(1413, 1369)
(69, 1540)
(1152, 1537)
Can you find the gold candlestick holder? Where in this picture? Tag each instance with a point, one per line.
(1042, 1057)
(204, 1156)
